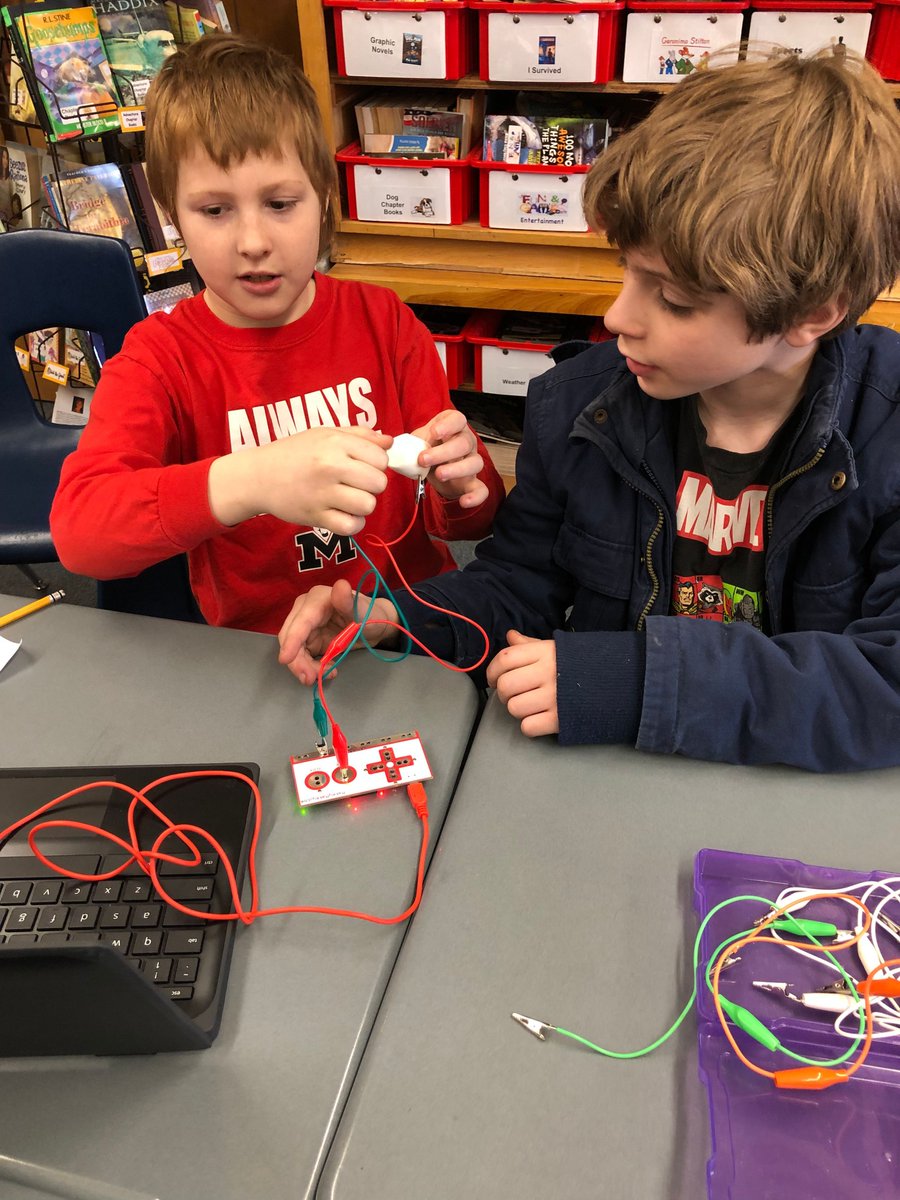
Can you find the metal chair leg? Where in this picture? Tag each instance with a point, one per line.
(33, 578)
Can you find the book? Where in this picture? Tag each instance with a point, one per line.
(79, 357)
(27, 166)
(43, 345)
(71, 406)
(158, 231)
(422, 114)
(93, 200)
(60, 46)
(410, 145)
(547, 141)
(186, 23)
(21, 105)
(138, 39)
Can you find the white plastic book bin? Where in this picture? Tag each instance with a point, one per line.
(407, 190)
(807, 26)
(395, 39)
(505, 367)
(522, 196)
(548, 43)
(664, 43)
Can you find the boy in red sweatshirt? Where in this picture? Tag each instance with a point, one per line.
(250, 426)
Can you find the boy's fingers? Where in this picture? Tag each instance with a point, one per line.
(514, 638)
(369, 435)
(476, 493)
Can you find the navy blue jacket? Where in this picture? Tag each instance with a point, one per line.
(582, 552)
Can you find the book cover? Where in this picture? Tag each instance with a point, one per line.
(27, 166)
(21, 105)
(94, 200)
(138, 39)
(164, 234)
(410, 145)
(43, 345)
(71, 406)
(186, 23)
(9, 209)
(544, 140)
(74, 83)
(80, 358)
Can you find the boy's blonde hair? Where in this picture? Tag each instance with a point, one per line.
(775, 181)
(232, 97)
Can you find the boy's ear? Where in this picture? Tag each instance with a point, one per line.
(817, 323)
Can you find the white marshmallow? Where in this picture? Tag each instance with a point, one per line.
(404, 453)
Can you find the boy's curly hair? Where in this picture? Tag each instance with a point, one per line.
(775, 181)
(232, 97)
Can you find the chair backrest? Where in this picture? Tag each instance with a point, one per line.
(50, 278)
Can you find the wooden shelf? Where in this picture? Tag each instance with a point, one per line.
(474, 231)
(473, 83)
(468, 265)
(470, 83)
(469, 289)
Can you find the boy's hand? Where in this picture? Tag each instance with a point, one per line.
(453, 457)
(524, 675)
(317, 617)
(326, 478)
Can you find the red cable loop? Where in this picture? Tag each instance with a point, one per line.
(149, 860)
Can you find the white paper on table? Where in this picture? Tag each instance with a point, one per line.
(7, 650)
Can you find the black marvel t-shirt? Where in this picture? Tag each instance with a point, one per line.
(718, 564)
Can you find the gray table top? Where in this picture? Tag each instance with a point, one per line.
(254, 1114)
(562, 889)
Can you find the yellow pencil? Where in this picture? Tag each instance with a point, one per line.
(28, 609)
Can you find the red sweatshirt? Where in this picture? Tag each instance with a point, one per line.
(187, 388)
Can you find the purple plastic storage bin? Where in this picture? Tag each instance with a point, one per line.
(842, 1143)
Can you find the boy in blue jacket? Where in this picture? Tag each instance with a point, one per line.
(702, 552)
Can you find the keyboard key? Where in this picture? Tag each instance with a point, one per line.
(15, 893)
(208, 865)
(147, 942)
(135, 891)
(46, 893)
(146, 916)
(83, 937)
(178, 992)
(107, 892)
(172, 916)
(84, 916)
(190, 890)
(28, 867)
(114, 916)
(159, 969)
(186, 970)
(52, 916)
(21, 939)
(53, 939)
(119, 940)
(184, 941)
(21, 919)
(112, 862)
(75, 892)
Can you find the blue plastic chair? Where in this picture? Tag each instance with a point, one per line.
(80, 281)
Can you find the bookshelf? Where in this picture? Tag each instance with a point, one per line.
(468, 265)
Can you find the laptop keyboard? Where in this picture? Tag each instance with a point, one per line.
(173, 950)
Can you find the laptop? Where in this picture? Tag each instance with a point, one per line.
(108, 967)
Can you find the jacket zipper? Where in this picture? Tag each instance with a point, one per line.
(770, 520)
(648, 549)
